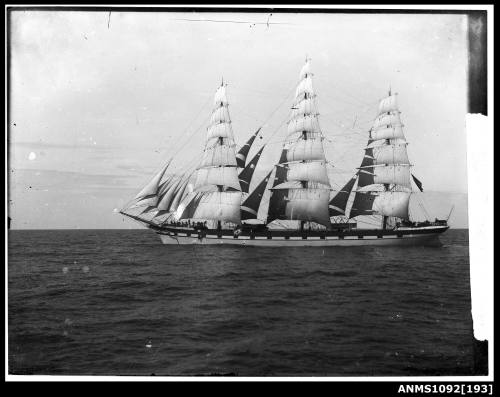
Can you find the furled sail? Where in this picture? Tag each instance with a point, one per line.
(338, 203)
(245, 175)
(250, 207)
(241, 157)
(304, 188)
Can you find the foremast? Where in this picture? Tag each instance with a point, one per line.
(217, 191)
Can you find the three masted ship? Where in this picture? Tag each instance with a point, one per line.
(214, 204)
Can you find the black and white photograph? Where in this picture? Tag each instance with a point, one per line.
(252, 193)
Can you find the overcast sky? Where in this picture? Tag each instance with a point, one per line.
(98, 103)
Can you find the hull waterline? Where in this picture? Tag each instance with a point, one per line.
(401, 237)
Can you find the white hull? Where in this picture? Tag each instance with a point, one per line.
(406, 239)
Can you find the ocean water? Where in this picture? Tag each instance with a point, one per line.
(118, 302)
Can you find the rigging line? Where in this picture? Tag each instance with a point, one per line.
(345, 125)
(279, 106)
(190, 124)
(344, 111)
(367, 106)
(275, 131)
(339, 88)
(240, 111)
(365, 109)
(247, 90)
(189, 138)
(339, 103)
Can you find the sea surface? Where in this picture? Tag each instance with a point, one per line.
(118, 302)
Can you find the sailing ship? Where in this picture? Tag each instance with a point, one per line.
(213, 204)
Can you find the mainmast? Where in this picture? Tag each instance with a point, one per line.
(305, 190)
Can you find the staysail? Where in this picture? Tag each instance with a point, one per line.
(250, 206)
(245, 176)
(170, 199)
(277, 204)
(338, 203)
(301, 188)
(148, 196)
(241, 157)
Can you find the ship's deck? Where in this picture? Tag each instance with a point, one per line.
(296, 234)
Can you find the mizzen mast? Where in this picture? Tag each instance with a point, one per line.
(384, 184)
